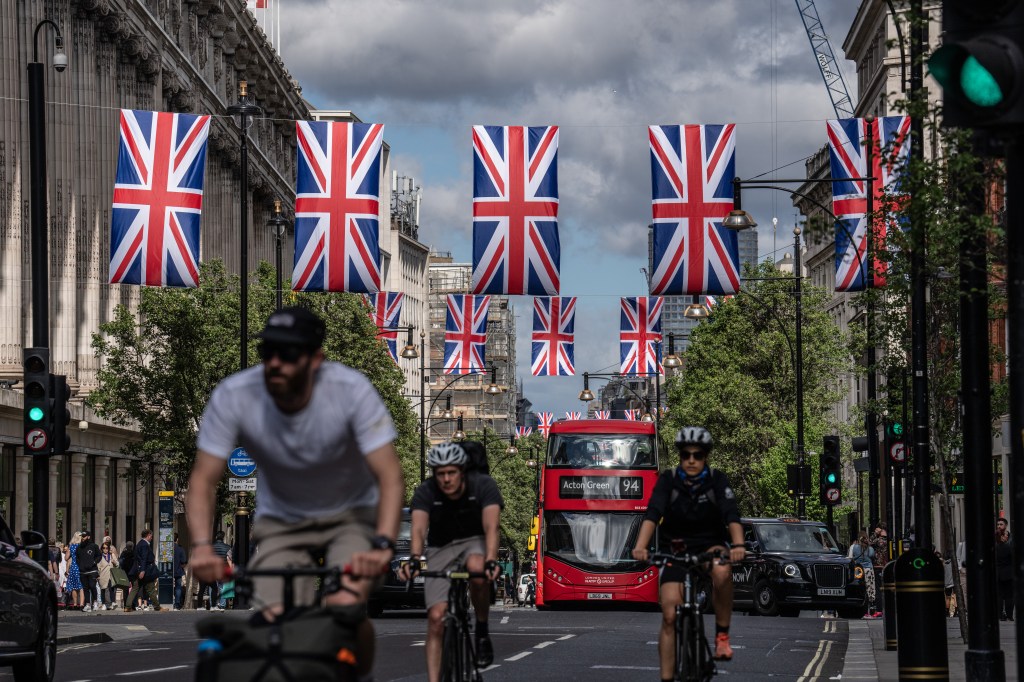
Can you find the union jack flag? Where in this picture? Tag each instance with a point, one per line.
(515, 210)
(692, 168)
(848, 138)
(554, 319)
(632, 415)
(465, 334)
(523, 431)
(640, 335)
(572, 415)
(386, 307)
(337, 202)
(602, 414)
(158, 197)
(710, 302)
(544, 421)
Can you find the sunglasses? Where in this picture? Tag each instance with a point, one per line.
(286, 353)
(697, 456)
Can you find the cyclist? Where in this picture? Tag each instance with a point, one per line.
(462, 511)
(693, 503)
(329, 477)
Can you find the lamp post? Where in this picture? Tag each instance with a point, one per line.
(492, 389)
(586, 395)
(244, 109)
(40, 253)
(278, 224)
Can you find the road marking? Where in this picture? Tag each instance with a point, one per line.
(623, 667)
(136, 627)
(556, 627)
(152, 670)
(521, 654)
(817, 662)
(76, 647)
(565, 637)
(542, 645)
(491, 667)
(162, 648)
(504, 620)
(418, 643)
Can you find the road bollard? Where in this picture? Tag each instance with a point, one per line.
(923, 651)
(889, 609)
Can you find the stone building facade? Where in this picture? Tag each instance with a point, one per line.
(161, 55)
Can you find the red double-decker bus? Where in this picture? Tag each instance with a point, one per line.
(594, 489)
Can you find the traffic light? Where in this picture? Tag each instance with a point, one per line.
(980, 65)
(894, 430)
(38, 425)
(830, 472)
(60, 413)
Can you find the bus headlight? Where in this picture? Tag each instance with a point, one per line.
(791, 570)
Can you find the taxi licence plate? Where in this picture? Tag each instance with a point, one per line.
(831, 592)
(418, 580)
(599, 595)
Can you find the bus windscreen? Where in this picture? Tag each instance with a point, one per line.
(599, 542)
(602, 451)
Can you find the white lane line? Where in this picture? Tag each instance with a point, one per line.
(162, 648)
(419, 643)
(542, 645)
(565, 637)
(623, 667)
(152, 670)
(491, 667)
(557, 627)
(504, 620)
(521, 654)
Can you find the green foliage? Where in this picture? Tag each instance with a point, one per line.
(740, 383)
(159, 367)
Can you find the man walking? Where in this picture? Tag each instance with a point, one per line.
(88, 556)
(180, 561)
(146, 572)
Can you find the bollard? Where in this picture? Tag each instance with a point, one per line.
(889, 609)
(923, 651)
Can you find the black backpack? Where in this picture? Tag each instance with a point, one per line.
(477, 457)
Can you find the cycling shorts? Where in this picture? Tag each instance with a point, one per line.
(435, 590)
(677, 574)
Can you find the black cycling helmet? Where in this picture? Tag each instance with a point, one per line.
(694, 435)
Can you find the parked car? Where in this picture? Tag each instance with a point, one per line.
(521, 587)
(795, 565)
(393, 592)
(28, 597)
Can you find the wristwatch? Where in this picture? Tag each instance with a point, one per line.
(382, 542)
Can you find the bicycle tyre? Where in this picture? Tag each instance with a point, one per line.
(704, 666)
(450, 653)
(687, 665)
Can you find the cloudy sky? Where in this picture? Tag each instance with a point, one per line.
(602, 70)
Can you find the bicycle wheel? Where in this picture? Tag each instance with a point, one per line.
(450, 660)
(687, 666)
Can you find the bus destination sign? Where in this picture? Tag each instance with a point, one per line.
(601, 488)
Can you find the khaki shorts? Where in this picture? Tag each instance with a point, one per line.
(280, 544)
(435, 590)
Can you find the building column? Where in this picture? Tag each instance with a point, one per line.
(77, 483)
(54, 480)
(120, 521)
(140, 509)
(100, 496)
(22, 470)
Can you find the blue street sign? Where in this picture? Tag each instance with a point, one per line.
(241, 464)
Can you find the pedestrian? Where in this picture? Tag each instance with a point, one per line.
(1004, 570)
(180, 562)
(879, 540)
(53, 557)
(223, 550)
(73, 581)
(107, 587)
(127, 563)
(88, 555)
(864, 554)
(146, 572)
(947, 583)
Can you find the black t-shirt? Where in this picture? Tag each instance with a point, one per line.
(88, 555)
(450, 519)
(698, 514)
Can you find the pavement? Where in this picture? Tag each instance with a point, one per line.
(867, 658)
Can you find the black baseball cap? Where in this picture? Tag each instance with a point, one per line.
(296, 326)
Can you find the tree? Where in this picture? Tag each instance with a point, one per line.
(739, 382)
(159, 366)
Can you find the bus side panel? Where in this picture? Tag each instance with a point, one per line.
(577, 585)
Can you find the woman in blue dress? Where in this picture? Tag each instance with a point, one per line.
(74, 580)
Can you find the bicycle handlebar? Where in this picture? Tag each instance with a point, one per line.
(660, 559)
(454, 574)
(239, 573)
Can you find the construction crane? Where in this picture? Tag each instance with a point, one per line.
(826, 59)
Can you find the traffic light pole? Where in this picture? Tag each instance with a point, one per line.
(871, 423)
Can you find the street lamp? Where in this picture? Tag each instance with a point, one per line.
(459, 434)
(40, 253)
(696, 311)
(493, 388)
(512, 450)
(586, 395)
(448, 414)
(278, 224)
(672, 360)
(244, 109)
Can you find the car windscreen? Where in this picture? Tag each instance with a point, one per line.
(600, 542)
(602, 451)
(795, 537)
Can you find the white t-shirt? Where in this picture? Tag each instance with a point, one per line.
(310, 464)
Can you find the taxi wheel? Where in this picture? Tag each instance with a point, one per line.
(765, 601)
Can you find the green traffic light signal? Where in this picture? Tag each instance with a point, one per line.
(831, 478)
(36, 414)
(978, 84)
(897, 429)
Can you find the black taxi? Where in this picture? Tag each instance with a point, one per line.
(794, 565)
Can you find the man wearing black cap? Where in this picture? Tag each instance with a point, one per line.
(327, 470)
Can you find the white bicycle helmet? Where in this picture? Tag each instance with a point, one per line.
(447, 454)
(694, 435)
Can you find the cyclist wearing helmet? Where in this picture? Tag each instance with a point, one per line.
(462, 511)
(693, 503)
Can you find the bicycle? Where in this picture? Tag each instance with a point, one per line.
(458, 655)
(694, 660)
(320, 641)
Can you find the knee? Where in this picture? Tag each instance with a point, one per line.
(435, 619)
(668, 618)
